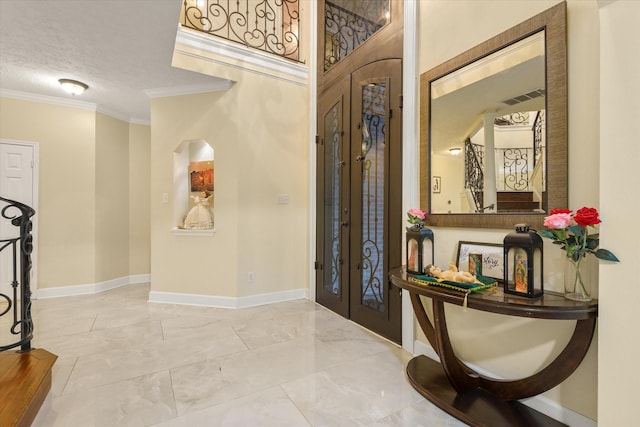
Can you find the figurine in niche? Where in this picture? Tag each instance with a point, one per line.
(200, 216)
(452, 274)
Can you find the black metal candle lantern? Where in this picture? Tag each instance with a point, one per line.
(523, 262)
(419, 248)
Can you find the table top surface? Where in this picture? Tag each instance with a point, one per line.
(551, 305)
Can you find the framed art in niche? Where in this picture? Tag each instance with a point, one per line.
(201, 176)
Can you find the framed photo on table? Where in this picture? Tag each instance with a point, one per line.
(492, 258)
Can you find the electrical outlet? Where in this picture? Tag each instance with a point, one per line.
(251, 276)
(165, 197)
(283, 199)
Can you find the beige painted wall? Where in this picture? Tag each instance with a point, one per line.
(139, 199)
(258, 131)
(506, 346)
(67, 199)
(201, 265)
(112, 198)
(619, 346)
(274, 159)
(84, 191)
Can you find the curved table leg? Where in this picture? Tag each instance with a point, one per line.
(464, 379)
(423, 320)
(427, 327)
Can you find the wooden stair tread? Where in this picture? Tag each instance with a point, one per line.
(514, 196)
(516, 201)
(518, 205)
(25, 381)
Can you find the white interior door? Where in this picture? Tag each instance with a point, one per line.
(17, 161)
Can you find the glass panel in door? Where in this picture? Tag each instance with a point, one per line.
(373, 195)
(332, 170)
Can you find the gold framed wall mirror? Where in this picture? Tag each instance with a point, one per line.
(503, 103)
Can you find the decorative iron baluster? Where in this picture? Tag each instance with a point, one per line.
(519, 118)
(348, 27)
(474, 172)
(516, 168)
(19, 303)
(268, 25)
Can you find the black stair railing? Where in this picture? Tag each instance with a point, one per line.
(474, 173)
(538, 136)
(17, 250)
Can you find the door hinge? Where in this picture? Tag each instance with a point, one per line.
(317, 266)
(400, 100)
(390, 113)
(317, 139)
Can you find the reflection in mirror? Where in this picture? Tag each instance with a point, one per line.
(494, 110)
(348, 23)
(493, 125)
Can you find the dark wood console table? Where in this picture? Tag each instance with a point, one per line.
(476, 399)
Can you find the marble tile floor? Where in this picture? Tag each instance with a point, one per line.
(126, 362)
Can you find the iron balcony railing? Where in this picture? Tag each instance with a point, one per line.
(268, 25)
(16, 253)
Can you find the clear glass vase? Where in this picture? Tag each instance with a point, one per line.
(577, 282)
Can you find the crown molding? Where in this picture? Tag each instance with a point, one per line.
(71, 103)
(235, 53)
(113, 113)
(46, 99)
(135, 121)
(218, 86)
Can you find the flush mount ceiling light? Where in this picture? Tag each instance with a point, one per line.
(455, 150)
(73, 87)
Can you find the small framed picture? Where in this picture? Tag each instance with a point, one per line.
(435, 188)
(201, 176)
(491, 256)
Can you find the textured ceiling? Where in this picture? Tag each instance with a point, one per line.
(120, 48)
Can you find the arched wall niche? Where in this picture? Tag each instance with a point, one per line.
(193, 172)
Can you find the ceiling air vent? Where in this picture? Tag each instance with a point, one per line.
(527, 96)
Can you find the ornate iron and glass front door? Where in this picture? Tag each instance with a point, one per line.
(359, 197)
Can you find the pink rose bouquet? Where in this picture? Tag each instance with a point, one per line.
(416, 216)
(575, 238)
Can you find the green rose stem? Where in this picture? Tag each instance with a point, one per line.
(578, 284)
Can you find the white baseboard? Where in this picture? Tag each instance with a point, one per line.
(539, 403)
(227, 302)
(92, 288)
(139, 278)
(173, 297)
